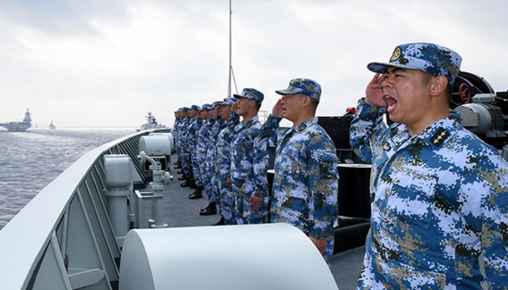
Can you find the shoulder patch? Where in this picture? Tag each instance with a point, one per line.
(440, 136)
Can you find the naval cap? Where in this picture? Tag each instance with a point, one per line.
(302, 86)
(251, 94)
(215, 104)
(229, 101)
(428, 57)
(194, 107)
(205, 107)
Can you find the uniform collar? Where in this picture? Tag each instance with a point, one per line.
(305, 124)
(250, 122)
(434, 135)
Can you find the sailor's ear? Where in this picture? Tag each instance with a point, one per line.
(438, 85)
(306, 101)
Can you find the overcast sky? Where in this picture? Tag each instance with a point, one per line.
(107, 63)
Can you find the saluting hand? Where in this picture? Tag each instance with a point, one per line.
(374, 91)
(235, 107)
(278, 111)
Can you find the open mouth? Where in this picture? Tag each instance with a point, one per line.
(391, 103)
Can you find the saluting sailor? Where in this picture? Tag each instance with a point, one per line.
(305, 184)
(438, 193)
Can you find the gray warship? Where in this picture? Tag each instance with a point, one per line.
(151, 123)
(19, 126)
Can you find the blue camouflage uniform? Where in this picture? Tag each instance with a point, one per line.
(183, 155)
(248, 168)
(201, 151)
(223, 166)
(174, 130)
(210, 157)
(439, 198)
(193, 129)
(305, 185)
(177, 132)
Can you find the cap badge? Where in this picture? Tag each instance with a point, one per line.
(396, 54)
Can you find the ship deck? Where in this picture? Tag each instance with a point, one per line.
(180, 211)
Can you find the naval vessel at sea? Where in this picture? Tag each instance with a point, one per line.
(151, 123)
(19, 126)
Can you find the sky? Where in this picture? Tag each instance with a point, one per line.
(107, 63)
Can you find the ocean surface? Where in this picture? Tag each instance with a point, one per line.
(30, 160)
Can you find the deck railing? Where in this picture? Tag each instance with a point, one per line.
(63, 238)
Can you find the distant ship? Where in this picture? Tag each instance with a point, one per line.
(19, 126)
(151, 123)
(51, 126)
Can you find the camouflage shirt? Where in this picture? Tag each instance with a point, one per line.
(212, 140)
(202, 139)
(192, 135)
(305, 184)
(248, 161)
(223, 147)
(439, 200)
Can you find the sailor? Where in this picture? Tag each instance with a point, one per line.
(214, 204)
(183, 157)
(192, 144)
(178, 142)
(249, 162)
(439, 195)
(190, 147)
(222, 161)
(305, 185)
(176, 136)
(201, 151)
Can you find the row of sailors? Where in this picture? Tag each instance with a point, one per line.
(228, 160)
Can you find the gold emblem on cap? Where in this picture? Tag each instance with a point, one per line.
(396, 54)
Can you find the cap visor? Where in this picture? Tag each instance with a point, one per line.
(378, 67)
(285, 92)
(381, 68)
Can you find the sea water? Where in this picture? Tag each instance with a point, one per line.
(30, 160)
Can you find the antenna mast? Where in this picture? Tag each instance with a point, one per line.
(230, 64)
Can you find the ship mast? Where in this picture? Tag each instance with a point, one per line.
(231, 73)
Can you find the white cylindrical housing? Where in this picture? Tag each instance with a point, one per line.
(247, 257)
(156, 145)
(117, 169)
(167, 135)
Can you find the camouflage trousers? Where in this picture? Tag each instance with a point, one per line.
(195, 169)
(215, 189)
(186, 164)
(205, 180)
(330, 242)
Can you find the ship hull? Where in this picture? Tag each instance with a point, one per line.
(15, 128)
